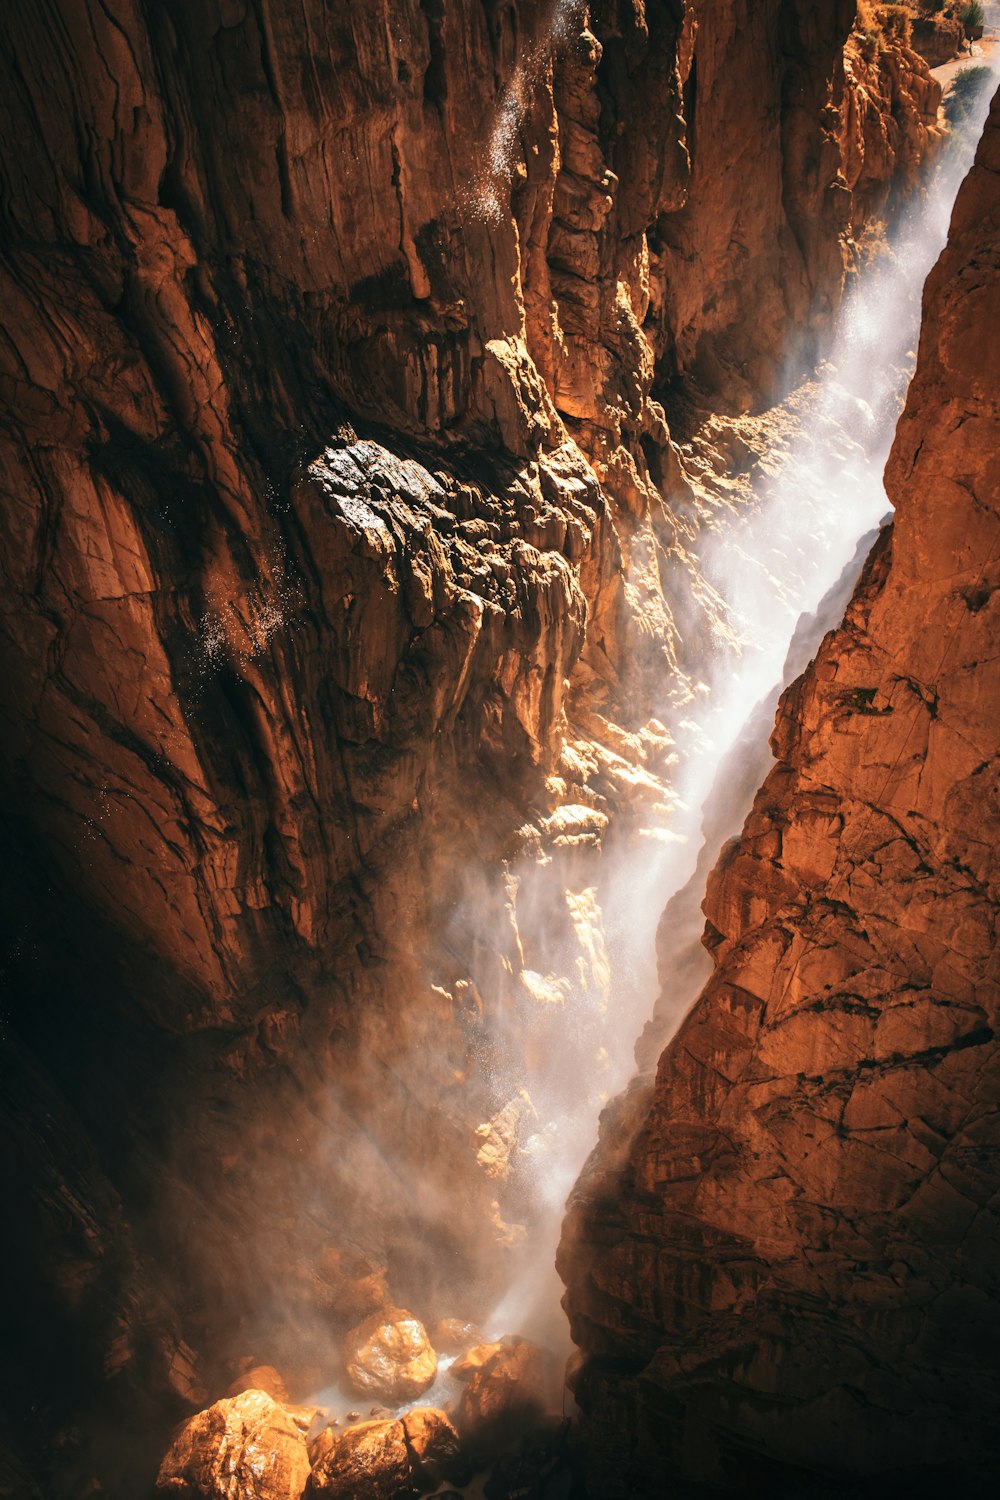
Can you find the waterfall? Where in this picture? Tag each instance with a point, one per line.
(784, 568)
(486, 197)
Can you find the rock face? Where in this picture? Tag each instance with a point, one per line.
(340, 344)
(938, 38)
(782, 1267)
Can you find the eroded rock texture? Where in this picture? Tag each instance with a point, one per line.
(783, 1268)
(339, 349)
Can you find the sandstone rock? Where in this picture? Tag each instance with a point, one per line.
(541, 1466)
(938, 38)
(437, 1452)
(371, 1462)
(453, 1336)
(351, 1287)
(504, 1393)
(245, 1446)
(260, 1378)
(389, 1355)
(320, 1445)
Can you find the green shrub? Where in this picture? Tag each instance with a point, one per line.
(973, 17)
(967, 89)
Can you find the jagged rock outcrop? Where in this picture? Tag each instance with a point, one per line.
(782, 1261)
(334, 406)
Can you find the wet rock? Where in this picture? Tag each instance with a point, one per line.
(390, 1355)
(453, 1336)
(436, 1448)
(385, 1460)
(504, 1393)
(319, 1446)
(350, 1286)
(245, 1446)
(542, 1468)
(260, 1378)
(371, 1462)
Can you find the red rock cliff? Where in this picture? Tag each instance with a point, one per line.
(335, 338)
(789, 1267)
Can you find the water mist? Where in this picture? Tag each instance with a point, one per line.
(784, 568)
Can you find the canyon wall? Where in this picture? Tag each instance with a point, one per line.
(341, 346)
(781, 1261)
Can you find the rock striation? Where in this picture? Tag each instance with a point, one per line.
(340, 346)
(781, 1262)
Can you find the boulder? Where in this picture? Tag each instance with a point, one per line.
(390, 1355)
(389, 1460)
(260, 1378)
(370, 1462)
(437, 1451)
(320, 1445)
(245, 1447)
(543, 1459)
(454, 1336)
(504, 1393)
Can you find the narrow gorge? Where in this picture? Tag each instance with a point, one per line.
(441, 441)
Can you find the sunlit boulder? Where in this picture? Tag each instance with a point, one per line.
(389, 1355)
(245, 1447)
(368, 1462)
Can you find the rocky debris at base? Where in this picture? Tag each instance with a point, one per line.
(389, 1460)
(454, 1336)
(503, 1396)
(541, 1469)
(436, 1447)
(245, 1447)
(259, 1378)
(371, 1462)
(252, 1446)
(390, 1355)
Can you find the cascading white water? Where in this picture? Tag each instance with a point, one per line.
(772, 566)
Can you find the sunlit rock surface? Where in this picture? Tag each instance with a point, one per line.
(783, 1268)
(348, 577)
(390, 1356)
(385, 1460)
(245, 1448)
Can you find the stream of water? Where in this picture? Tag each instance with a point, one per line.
(774, 565)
